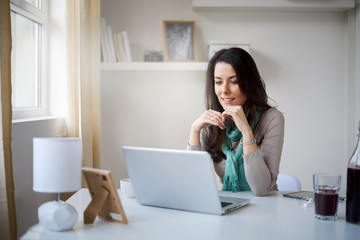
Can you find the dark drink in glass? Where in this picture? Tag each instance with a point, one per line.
(353, 195)
(326, 193)
(326, 202)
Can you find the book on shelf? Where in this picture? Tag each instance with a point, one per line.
(126, 46)
(111, 44)
(103, 41)
(119, 47)
(115, 47)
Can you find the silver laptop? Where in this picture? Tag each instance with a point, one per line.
(177, 179)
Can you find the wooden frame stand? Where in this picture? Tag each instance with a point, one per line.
(105, 200)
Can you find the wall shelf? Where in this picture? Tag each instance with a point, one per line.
(154, 66)
(293, 5)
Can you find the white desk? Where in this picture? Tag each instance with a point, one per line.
(270, 217)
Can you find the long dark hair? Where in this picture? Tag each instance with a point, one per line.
(250, 83)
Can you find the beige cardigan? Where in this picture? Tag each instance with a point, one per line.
(262, 165)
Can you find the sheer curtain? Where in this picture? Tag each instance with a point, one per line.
(83, 55)
(7, 201)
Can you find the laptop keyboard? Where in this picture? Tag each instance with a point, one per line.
(224, 204)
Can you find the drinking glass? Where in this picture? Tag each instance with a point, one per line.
(326, 190)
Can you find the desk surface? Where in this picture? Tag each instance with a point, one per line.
(270, 217)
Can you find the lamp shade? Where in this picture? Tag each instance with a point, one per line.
(57, 164)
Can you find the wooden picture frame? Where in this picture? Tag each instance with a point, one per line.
(180, 41)
(105, 199)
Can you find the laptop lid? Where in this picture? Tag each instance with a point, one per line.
(176, 179)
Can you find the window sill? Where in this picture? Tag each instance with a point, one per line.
(36, 119)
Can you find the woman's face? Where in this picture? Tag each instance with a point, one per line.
(227, 87)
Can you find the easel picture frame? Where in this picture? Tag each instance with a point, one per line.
(180, 41)
(105, 200)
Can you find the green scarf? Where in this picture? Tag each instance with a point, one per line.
(234, 178)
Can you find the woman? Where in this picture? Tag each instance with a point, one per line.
(241, 131)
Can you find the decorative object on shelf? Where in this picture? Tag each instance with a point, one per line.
(57, 169)
(180, 41)
(105, 201)
(153, 56)
(215, 46)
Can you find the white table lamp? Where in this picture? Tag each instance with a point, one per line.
(57, 169)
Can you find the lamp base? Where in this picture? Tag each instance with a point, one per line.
(57, 216)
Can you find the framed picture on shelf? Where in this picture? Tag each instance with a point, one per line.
(180, 41)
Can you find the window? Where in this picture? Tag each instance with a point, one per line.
(28, 28)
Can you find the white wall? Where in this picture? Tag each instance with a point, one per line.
(149, 109)
(302, 56)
